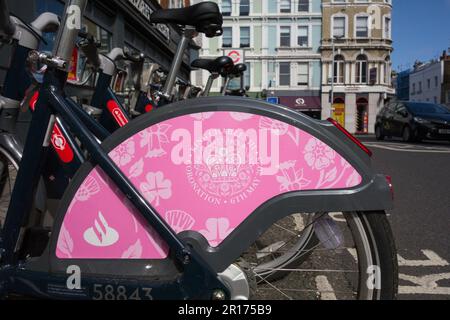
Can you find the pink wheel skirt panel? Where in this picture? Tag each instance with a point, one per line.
(204, 172)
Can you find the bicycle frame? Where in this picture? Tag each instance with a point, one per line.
(52, 102)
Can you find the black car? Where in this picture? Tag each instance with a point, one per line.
(413, 121)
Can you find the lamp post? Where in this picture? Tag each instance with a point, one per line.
(332, 73)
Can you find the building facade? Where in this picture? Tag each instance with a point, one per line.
(116, 23)
(356, 61)
(401, 85)
(279, 41)
(430, 82)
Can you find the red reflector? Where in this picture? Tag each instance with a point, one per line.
(350, 136)
(389, 181)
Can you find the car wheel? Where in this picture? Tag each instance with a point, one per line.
(407, 134)
(379, 133)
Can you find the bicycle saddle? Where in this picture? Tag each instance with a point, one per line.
(204, 16)
(239, 69)
(222, 65)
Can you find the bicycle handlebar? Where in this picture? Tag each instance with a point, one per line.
(5, 21)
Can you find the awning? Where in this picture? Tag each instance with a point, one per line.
(309, 103)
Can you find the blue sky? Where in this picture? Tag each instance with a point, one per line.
(421, 30)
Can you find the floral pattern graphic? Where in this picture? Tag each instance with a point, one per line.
(240, 116)
(202, 116)
(123, 154)
(137, 169)
(292, 179)
(89, 188)
(156, 187)
(281, 128)
(179, 220)
(154, 138)
(212, 197)
(217, 229)
(134, 251)
(65, 243)
(318, 155)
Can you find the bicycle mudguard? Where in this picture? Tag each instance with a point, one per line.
(220, 171)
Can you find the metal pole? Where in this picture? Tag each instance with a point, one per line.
(209, 84)
(188, 34)
(69, 29)
(332, 81)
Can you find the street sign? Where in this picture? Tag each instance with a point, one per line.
(236, 55)
(274, 100)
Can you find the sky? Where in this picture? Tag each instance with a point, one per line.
(421, 31)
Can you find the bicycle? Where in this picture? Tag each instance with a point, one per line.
(121, 210)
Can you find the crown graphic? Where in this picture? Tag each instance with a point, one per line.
(224, 169)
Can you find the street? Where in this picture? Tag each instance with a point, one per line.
(421, 218)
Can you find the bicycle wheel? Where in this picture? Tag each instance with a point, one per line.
(8, 177)
(361, 265)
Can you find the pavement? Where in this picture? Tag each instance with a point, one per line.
(421, 218)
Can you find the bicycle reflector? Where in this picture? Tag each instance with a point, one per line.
(391, 186)
(351, 137)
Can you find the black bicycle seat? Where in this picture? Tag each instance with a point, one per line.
(204, 16)
(239, 69)
(222, 65)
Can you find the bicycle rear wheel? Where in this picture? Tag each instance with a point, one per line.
(361, 265)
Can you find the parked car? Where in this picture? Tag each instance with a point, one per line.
(413, 121)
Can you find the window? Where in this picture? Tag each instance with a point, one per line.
(303, 38)
(285, 36)
(420, 87)
(361, 69)
(285, 74)
(436, 81)
(387, 27)
(362, 27)
(285, 6)
(303, 5)
(244, 8)
(245, 37)
(429, 83)
(227, 37)
(303, 74)
(339, 27)
(338, 69)
(226, 7)
(413, 89)
(387, 71)
(103, 36)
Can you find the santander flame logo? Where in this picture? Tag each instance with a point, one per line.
(101, 234)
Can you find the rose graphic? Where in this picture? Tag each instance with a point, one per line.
(318, 155)
(123, 154)
(156, 187)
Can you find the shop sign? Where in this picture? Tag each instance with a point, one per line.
(273, 100)
(302, 103)
(146, 11)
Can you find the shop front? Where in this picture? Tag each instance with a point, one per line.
(309, 105)
(115, 23)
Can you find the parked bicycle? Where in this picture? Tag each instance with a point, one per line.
(208, 198)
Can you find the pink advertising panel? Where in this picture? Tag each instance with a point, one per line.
(205, 172)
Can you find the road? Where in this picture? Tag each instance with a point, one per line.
(421, 218)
